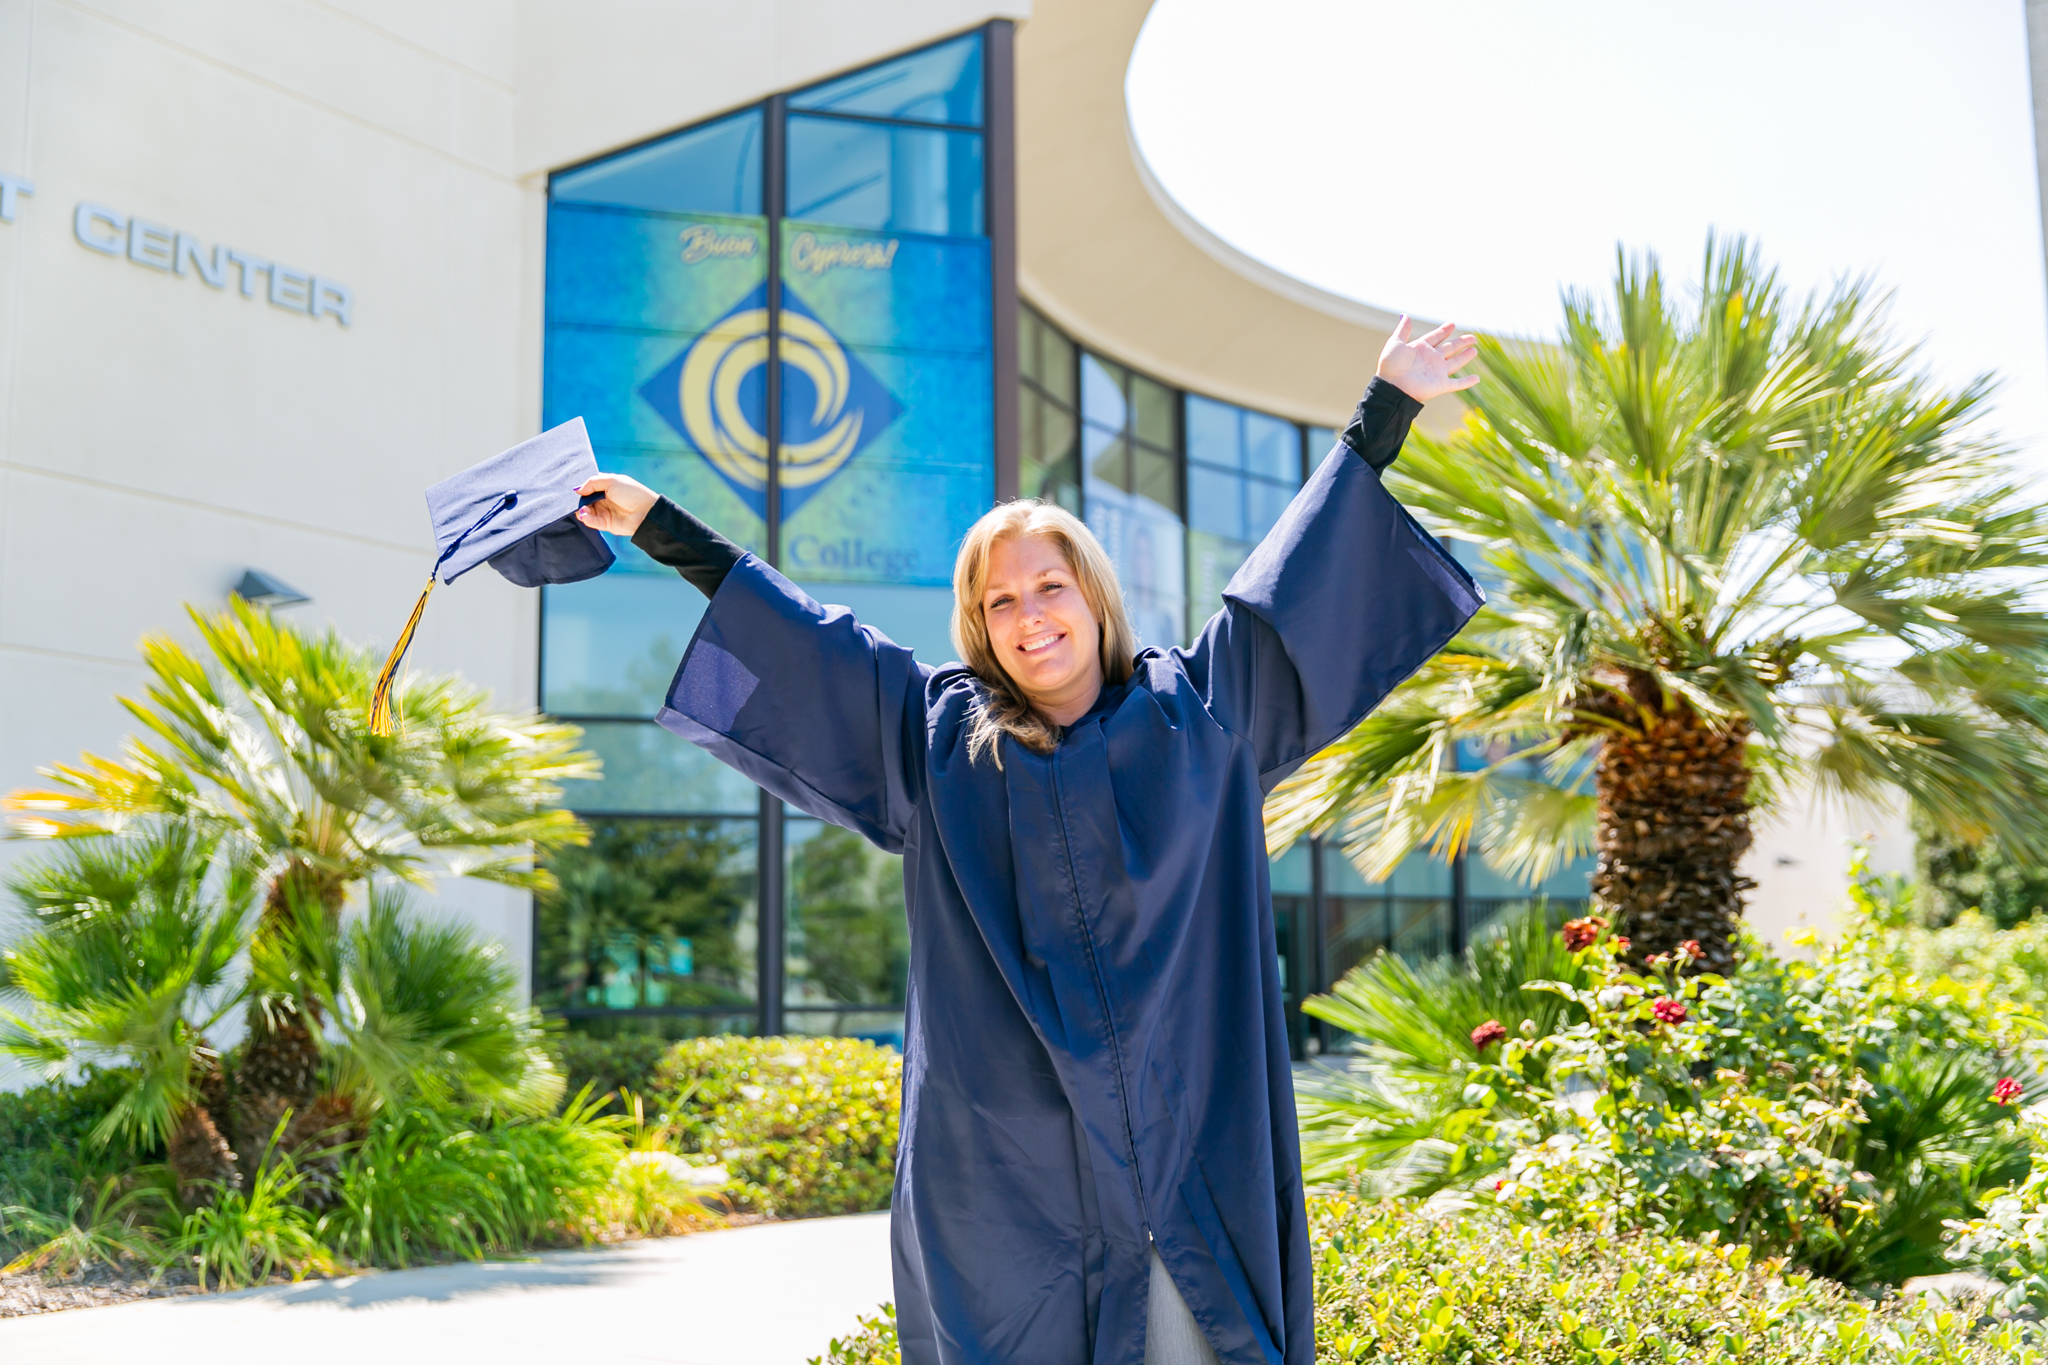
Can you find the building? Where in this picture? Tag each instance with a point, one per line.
(265, 273)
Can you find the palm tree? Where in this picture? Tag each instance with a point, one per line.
(1739, 548)
(131, 962)
(262, 746)
(132, 959)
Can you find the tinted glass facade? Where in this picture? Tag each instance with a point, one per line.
(787, 319)
(783, 319)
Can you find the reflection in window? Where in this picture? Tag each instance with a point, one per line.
(1409, 913)
(651, 915)
(1132, 494)
(1049, 462)
(848, 942)
(712, 169)
(612, 643)
(648, 771)
(885, 178)
(1243, 469)
(941, 84)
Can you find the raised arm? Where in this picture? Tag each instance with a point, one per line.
(801, 698)
(1347, 595)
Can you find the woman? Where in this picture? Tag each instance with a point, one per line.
(1098, 1159)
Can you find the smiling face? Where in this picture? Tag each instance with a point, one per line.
(1041, 628)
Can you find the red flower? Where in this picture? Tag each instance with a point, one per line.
(1691, 948)
(1621, 943)
(1583, 933)
(1487, 1034)
(1500, 1185)
(2006, 1091)
(1669, 1011)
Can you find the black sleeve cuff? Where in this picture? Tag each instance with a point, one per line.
(1381, 423)
(671, 536)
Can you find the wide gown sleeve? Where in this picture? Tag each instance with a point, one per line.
(804, 700)
(1345, 597)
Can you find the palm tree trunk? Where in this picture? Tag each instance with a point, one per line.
(1674, 824)
(200, 1159)
(280, 1062)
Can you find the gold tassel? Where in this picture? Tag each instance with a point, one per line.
(380, 695)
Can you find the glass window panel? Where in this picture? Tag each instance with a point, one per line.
(1320, 440)
(1418, 874)
(651, 914)
(1029, 332)
(1147, 545)
(938, 85)
(611, 644)
(1107, 457)
(886, 179)
(1290, 875)
(1211, 562)
(1056, 361)
(1212, 432)
(1031, 424)
(1482, 882)
(1154, 476)
(1056, 437)
(1570, 882)
(598, 1024)
(1272, 447)
(1152, 412)
(648, 771)
(1422, 928)
(1263, 504)
(1216, 502)
(848, 940)
(1102, 393)
(917, 618)
(1358, 928)
(882, 1027)
(1340, 878)
(712, 169)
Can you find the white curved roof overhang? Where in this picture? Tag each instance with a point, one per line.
(1104, 251)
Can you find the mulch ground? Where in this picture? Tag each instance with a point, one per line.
(97, 1287)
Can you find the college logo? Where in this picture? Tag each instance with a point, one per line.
(716, 394)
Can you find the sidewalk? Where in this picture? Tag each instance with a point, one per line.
(772, 1294)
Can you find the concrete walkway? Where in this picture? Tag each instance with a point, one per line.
(773, 1294)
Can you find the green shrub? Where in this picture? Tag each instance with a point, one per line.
(1835, 1110)
(1624, 1120)
(103, 1224)
(1958, 875)
(427, 1185)
(245, 1236)
(608, 1066)
(1401, 1119)
(873, 1342)
(48, 1169)
(2009, 965)
(1404, 1285)
(802, 1125)
(1397, 1284)
(2010, 1239)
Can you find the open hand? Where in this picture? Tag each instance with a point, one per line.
(622, 508)
(1422, 368)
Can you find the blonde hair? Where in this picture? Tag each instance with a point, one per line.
(1004, 709)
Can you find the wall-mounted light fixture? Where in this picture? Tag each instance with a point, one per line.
(261, 589)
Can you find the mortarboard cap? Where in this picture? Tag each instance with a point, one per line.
(517, 512)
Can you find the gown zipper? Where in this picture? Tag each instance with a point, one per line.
(1102, 996)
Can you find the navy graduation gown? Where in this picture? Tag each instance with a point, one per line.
(1095, 1056)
